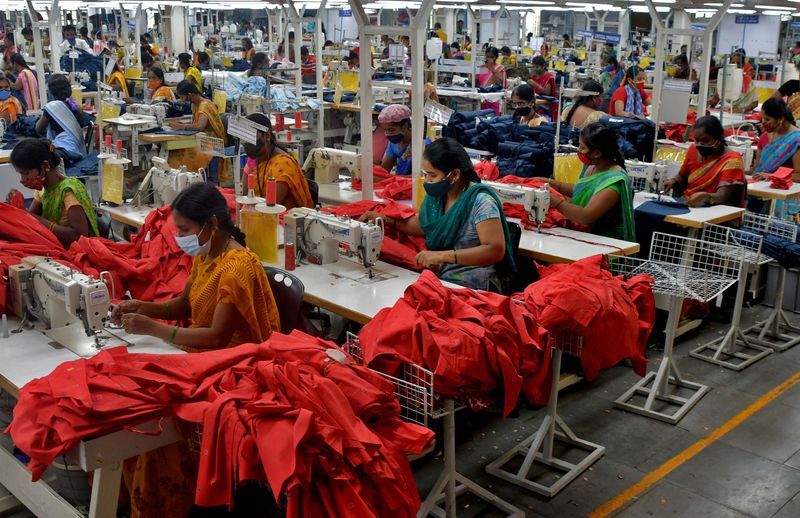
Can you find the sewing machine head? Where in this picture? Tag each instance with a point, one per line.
(251, 103)
(70, 306)
(167, 182)
(158, 112)
(536, 201)
(327, 162)
(324, 237)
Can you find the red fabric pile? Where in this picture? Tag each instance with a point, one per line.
(487, 170)
(554, 217)
(483, 347)
(478, 345)
(781, 178)
(398, 248)
(395, 188)
(379, 174)
(325, 435)
(613, 315)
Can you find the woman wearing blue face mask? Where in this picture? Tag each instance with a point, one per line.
(462, 221)
(395, 120)
(71, 41)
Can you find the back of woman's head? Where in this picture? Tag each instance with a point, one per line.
(30, 153)
(506, 50)
(630, 74)
(611, 60)
(59, 87)
(539, 61)
(524, 92)
(585, 100)
(446, 154)
(185, 59)
(600, 137)
(777, 109)
(247, 43)
(17, 59)
(187, 87)
(711, 126)
(200, 202)
(259, 60)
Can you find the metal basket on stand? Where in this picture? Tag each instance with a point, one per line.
(681, 268)
(414, 387)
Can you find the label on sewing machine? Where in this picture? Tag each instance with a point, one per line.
(74, 54)
(438, 112)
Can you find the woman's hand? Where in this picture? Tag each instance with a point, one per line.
(698, 199)
(136, 324)
(125, 307)
(761, 176)
(669, 184)
(428, 258)
(370, 216)
(10, 195)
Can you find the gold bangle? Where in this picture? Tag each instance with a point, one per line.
(52, 226)
(455, 256)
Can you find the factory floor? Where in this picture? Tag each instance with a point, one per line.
(736, 454)
(707, 465)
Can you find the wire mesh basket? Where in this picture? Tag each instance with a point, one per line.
(769, 226)
(750, 242)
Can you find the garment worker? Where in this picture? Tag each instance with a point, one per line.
(61, 204)
(585, 109)
(227, 302)
(710, 174)
(26, 83)
(462, 221)
(628, 100)
(395, 120)
(602, 198)
(190, 71)
(523, 101)
(10, 107)
(63, 121)
(271, 161)
(159, 91)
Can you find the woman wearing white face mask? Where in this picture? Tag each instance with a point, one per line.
(227, 297)
(462, 221)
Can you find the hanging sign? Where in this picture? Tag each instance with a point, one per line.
(585, 34)
(245, 129)
(608, 37)
(794, 25)
(747, 18)
(697, 27)
(345, 13)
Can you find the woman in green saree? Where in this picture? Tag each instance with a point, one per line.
(602, 198)
(61, 204)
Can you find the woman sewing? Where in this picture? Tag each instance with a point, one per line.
(779, 146)
(602, 198)
(710, 175)
(747, 100)
(227, 301)
(205, 117)
(628, 100)
(190, 71)
(523, 100)
(63, 120)
(395, 120)
(117, 81)
(462, 221)
(585, 109)
(248, 51)
(10, 107)
(61, 204)
(160, 92)
(495, 77)
(543, 83)
(26, 82)
(271, 161)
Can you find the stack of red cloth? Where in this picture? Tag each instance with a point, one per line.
(324, 434)
(483, 347)
(781, 178)
(398, 248)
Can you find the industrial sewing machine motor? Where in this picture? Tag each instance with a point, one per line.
(323, 237)
(536, 201)
(70, 307)
(162, 183)
(327, 162)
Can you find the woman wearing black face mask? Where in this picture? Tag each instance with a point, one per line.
(462, 221)
(524, 102)
(710, 174)
(395, 120)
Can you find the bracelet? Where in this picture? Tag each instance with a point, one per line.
(172, 335)
(52, 226)
(455, 256)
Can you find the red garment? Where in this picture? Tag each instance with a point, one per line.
(325, 436)
(398, 248)
(378, 174)
(554, 217)
(613, 315)
(18, 201)
(487, 170)
(396, 188)
(781, 178)
(477, 344)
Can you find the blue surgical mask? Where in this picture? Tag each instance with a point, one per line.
(437, 189)
(191, 244)
(4, 95)
(71, 41)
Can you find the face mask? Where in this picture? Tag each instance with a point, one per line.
(437, 189)
(36, 183)
(538, 71)
(4, 95)
(396, 138)
(769, 128)
(585, 159)
(523, 111)
(71, 41)
(153, 85)
(191, 244)
(706, 150)
(608, 68)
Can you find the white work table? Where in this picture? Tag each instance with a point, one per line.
(128, 214)
(562, 245)
(763, 190)
(30, 354)
(697, 216)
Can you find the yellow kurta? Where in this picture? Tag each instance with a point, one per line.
(192, 158)
(285, 169)
(194, 74)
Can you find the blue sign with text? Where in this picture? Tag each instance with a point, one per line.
(608, 37)
(747, 18)
(585, 34)
(794, 25)
(345, 13)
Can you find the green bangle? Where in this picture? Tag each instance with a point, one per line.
(455, 257)
(172, 335)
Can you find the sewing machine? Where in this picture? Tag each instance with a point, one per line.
(69, 306)
(535, 201)
(327, 162)
(162, 183)
(251, 103)
(647, 176)
(744, 146)
(322, 237)
(150, 112)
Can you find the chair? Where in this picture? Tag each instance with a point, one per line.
(526, 273)
(104, 224)
(89, 138)
(288, 291)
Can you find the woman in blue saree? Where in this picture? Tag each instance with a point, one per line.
(62, 120)
(779, 146)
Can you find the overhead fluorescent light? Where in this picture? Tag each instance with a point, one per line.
(742, 11)
(526, 2)
(720, 5)
(774, 7)
(457, 1)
